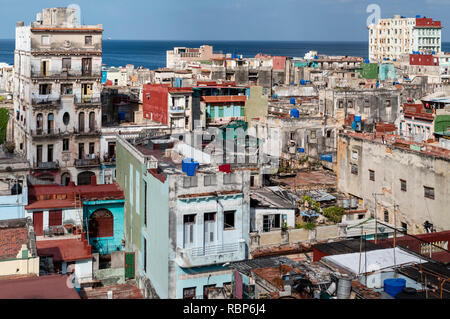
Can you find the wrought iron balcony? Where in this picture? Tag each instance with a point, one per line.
(45, 133)
(87, 100)
(90, 162)
(46, 165)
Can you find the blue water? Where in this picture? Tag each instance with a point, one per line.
(152, 54)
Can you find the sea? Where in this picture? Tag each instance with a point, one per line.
(152, 54)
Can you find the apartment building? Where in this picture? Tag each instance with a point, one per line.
(401, 182)
(393, 37)
(57, 104)
(184, 229)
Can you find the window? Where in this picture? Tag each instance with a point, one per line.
(355, 154)
(80, 150)
(50, 153)
(388, 103)
(66, 89)
(66, 118)
(92, 121)
(86, 66)
(189, 181)
(354, 169)
(81, 122)
(45, 89)
(313, 134)
(66, 63)
(91, 148)
(429, 192)
(39, 153)
(372, 175)
(45, 40)
(188, 222)
(229, 179)
(350, 104)
(88, 40)
(39, 121)
(405, 227)
(145, 255)
(50, 122)
(55, 218)
(210, 227)
(101, 224)
(328, 133)
(386, 216)
(189, 293)
(206, 289)
(210, 180)
(341, 104)
(271, 221)
(228, 220)
(65, 145)
(403, 185)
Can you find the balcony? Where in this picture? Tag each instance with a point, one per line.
(41, 133)
(211, 255)
(86, 163)
(92, 132)
(87, 101)
(65, 74)
(46, 102)
(176, 111)
(46, 165)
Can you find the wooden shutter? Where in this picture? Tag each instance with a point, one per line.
(55, 218)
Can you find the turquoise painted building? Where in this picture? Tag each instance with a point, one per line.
(106, 245)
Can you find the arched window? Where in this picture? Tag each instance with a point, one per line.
(50, 122)
(81, 122)
(92, 121)
(85, 178)
(39, 121)
(101, 224)
(66, 118)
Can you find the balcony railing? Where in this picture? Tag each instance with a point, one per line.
(87, 162)
(64, 73)
(46, 100)
(210, 255)
(177, 110)
(93, 131)
(46, 165)
(87, 99)
(45, 133)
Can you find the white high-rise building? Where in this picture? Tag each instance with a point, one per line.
(393, 38)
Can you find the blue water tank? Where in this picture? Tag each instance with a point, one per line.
(233, 56)
(358, 118)
(418, 16)
(316, 57)
(295, 113)
(121, 116)
(184, 164)
(275, 96)
(353, 125)
(378, 85)
(367, 61)
(189, 166)
(394, 286)
(301, 150)
(433, 52)
(302, 82)
(293, 101)
(327, 158)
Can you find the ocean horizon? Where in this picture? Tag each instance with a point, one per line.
(152, 53)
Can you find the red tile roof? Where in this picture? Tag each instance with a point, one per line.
(65, 249)
(224, 98)
(44, 287)
(55, 196)
(11, 241)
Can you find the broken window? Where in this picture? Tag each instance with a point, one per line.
(45, 89)
(350, 104)
(372, 175)
(429, 192)
(88, 40)
(39, 121)
(228, 220)
(86, 67)
(66, 89)
(388, 103)
(354, 169)
(66, 63)
(403, 185)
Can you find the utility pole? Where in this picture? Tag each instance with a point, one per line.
(376, 217)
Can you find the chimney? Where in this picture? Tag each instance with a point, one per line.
(94, 180)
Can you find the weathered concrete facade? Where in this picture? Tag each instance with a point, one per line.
(367, 166)
(57, 103)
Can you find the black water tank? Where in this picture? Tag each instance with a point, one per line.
(408, 293)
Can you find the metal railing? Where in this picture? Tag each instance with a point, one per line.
(45, 100)
(42, 132)
(46, 165)
(212, 250)
(87, 162)
(87, 99)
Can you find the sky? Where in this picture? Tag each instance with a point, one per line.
(281, 20)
